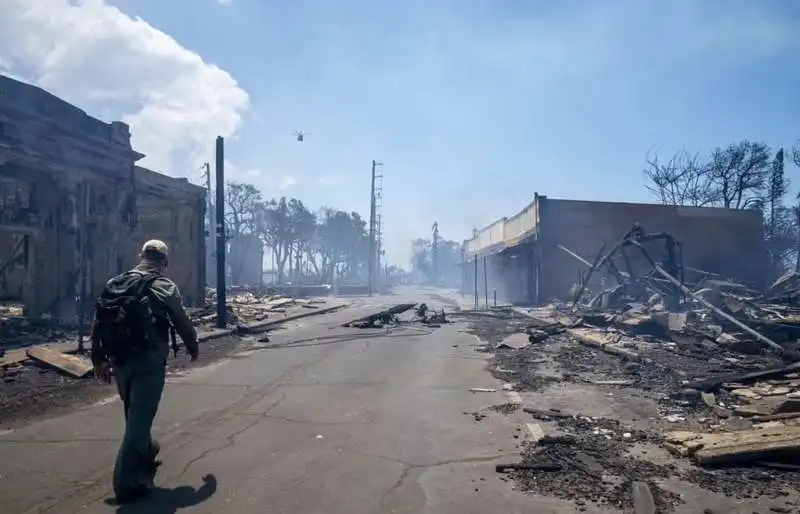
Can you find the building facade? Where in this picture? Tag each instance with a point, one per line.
(75, 208)
(526, 261)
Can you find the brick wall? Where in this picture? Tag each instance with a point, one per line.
(721, 241)
(175, 223)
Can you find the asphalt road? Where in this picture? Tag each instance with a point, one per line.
(324, 419)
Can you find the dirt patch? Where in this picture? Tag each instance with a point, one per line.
(30, 392)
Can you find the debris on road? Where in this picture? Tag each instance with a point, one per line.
(697, 367)
(504, 468)
(768, 442)
(385, 317)
(482, 390)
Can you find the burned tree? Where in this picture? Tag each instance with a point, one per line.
(241, 205)
(734, 177)
(739, 174)
(682, 180)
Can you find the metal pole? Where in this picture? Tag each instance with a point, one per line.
(372, 249)
(220, 221)
(463, 275)
(495, 297)
(485, 284)
(476, 282)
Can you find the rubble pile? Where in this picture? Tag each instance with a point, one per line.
(391, 317)
(705, 371)
(589, 459)
(247, 306)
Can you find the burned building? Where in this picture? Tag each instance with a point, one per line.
(535, 255)
(245, 260)
(75, 208)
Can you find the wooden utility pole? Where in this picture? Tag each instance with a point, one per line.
(374, 197)
(435, 253)
(485, 283)
(221, 243)
(476, 281)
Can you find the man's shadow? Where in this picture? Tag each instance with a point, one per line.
(169, 501)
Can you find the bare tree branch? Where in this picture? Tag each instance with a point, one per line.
(682, 180)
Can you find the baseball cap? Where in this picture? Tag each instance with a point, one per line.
(155, 246)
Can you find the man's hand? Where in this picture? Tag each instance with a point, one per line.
(102, 372)
(193, 350)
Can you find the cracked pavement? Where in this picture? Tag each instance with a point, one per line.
(324, 419)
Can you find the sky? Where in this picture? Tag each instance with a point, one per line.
(471, 105)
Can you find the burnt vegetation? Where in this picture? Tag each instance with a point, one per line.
(743, 175)
(320, 244)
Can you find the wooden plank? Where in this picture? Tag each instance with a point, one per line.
(712, 384)
(72, 365)
(734, 447)
(643, 501)
(602, 341)
(12, 357)
(280, 302)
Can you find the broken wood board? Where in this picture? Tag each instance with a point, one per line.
(712, 384)
(13, 357)
(72, 365)
(279, 302)
(719, 448)
(605, 341)
(515, 341)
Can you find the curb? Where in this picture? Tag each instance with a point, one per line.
(265, 325)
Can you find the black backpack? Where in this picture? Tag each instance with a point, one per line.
(124, 316)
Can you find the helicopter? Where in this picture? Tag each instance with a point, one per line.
(299, 135)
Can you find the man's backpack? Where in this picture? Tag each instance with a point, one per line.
(124, 316)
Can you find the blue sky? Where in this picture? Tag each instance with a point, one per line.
(473, 106)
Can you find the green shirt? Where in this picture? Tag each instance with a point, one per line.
(169, 306)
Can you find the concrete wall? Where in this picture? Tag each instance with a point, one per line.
(723, 241)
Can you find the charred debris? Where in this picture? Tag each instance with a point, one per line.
(692, 363)
(722, 357)
(392, 317)
(50, 343)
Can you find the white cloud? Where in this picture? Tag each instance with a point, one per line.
(226, 3)
(265, 181)
(287, 182)
(327, 180)
(115, 66)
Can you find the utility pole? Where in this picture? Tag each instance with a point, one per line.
(221, 243)
(378, 246)
(435, 253)
(210, 230)
(485, 284)
(475, 279)
(375, 195)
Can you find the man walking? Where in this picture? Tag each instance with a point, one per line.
(131, 335)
